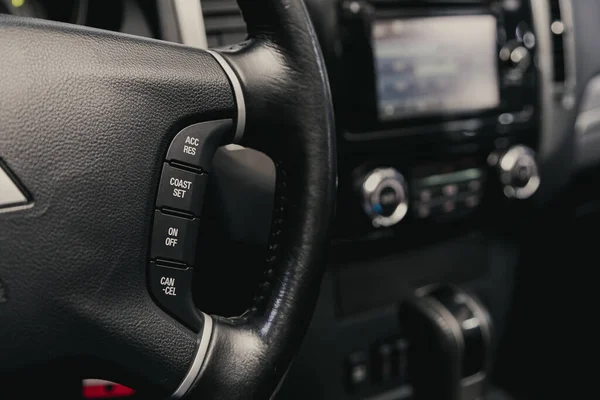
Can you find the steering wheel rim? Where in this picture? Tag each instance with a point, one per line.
(87, 118)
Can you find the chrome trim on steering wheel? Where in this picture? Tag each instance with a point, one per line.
(203, 342)
(239, 95)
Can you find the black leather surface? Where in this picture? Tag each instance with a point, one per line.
(85, 120)
(290, 118)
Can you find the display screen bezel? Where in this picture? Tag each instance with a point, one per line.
(490, 97)
(355, 81)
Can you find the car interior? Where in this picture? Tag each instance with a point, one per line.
(299, 199)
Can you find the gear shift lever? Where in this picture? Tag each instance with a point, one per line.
(450, 332)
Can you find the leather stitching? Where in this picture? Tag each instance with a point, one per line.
(265, 287)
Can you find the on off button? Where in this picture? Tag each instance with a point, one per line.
(174, 238)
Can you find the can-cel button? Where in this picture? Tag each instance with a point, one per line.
(172, 290)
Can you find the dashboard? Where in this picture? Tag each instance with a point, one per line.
(73, 11)
(461, 126)
(127, 16)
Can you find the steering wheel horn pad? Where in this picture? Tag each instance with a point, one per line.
(86, 119)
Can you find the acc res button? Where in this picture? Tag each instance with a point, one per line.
(172, 290)
(196, 144)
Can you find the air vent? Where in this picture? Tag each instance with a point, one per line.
(557, 27)
(223, 22)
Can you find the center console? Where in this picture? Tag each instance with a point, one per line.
(438, 116)
(438, 103)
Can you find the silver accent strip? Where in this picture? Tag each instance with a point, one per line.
(482, 316)
(192, 375)
(191, 23)
(485, 320)
(566, 15)
(239, 95)
(403, 392)
(551, 138)
(479, 311)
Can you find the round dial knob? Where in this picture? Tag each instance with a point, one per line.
(518, 172)
(385, 196)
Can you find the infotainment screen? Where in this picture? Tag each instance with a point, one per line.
(435, 66)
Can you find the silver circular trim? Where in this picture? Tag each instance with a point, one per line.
(372, 186)
(478, 310)
(237, 91)
(448, 319)
(480, 313)
(192, 375)
(485, 323)
(507, 163)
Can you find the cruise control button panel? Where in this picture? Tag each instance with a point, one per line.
(196, 144)
(172, 288)
(176, 218)
(174, 238)
(181, 190)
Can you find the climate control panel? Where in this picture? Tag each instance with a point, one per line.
(388, 197)
(448, 194)
(445, 190)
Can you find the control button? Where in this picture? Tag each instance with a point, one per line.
(448, 206)
(450, 190)
(518, 171)
(172, 289)
(517, 120)
(10, 194)
(357, 370)
(423, 210)
(529, 40)
(383, 363)
(471, 201)
(385, 196)
(506, 118)
(517, 59)
(174, 238)
(425, 195)
(196, 144)
(474, 186)
(181, 190)
(401, 360)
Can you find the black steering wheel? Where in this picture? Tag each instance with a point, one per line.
(89, 141)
